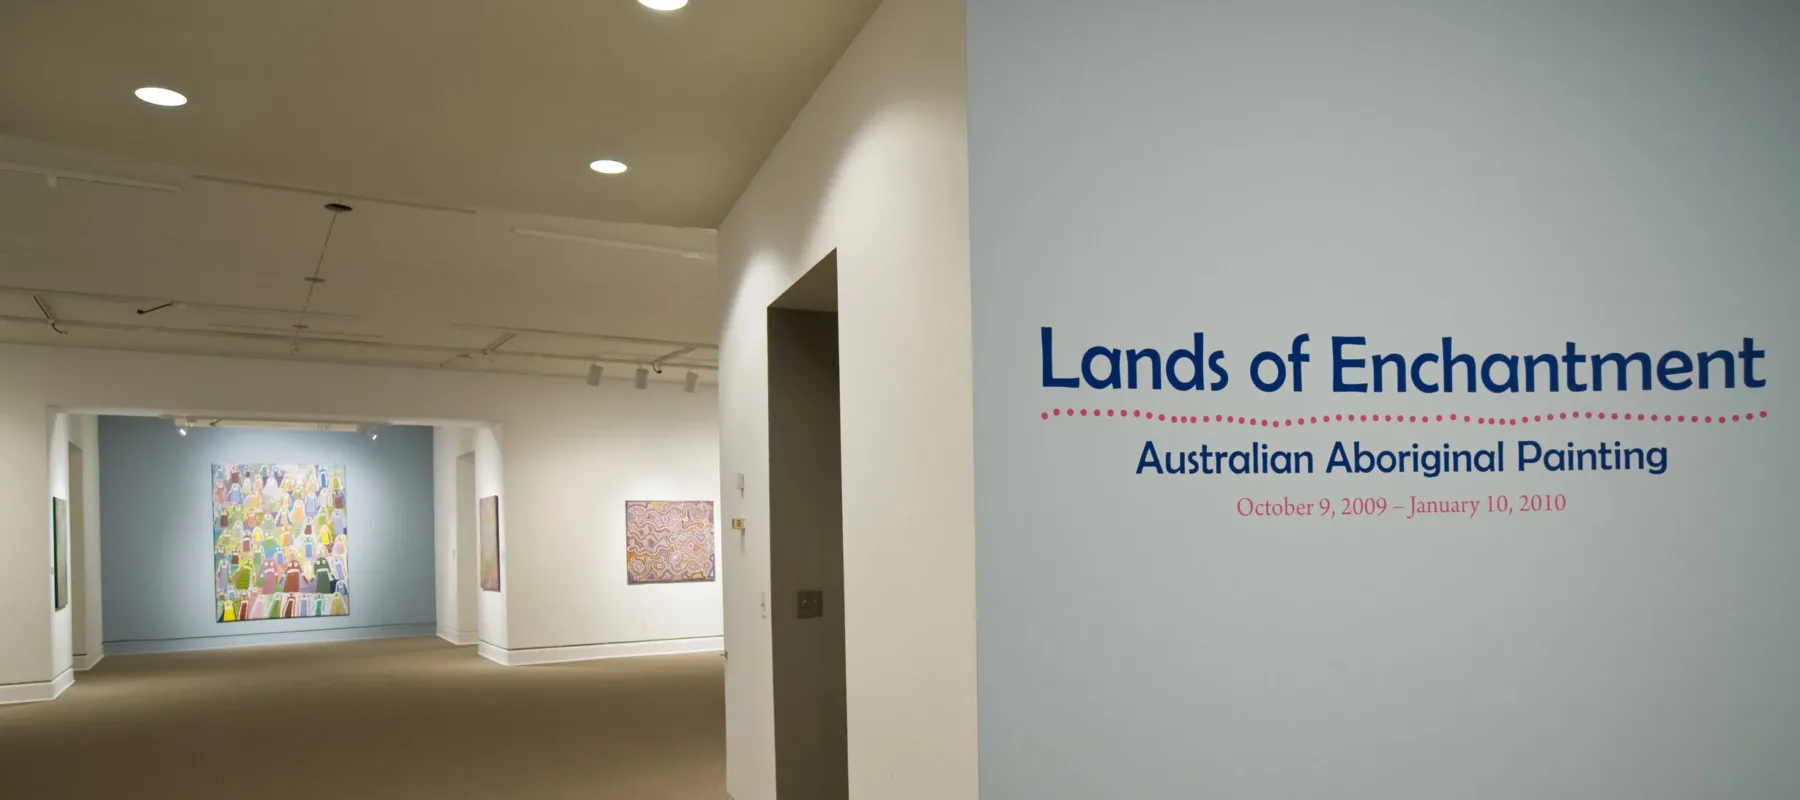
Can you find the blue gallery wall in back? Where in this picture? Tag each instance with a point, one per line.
(157, 537)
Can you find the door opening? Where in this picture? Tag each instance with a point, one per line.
(806, 540)
(467, 551)
(79, 606)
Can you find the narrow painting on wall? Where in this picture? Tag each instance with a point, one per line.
(281, 542)
(668, 541)
(59, 544)
(490, 543)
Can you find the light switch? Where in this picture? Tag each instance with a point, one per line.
(737, 523)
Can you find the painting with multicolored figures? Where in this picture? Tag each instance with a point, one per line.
(280, 542)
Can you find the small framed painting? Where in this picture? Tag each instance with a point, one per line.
(59, 546)
(669, 541)
(490, 543)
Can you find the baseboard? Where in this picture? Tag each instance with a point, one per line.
(457, 637)
(37, 692)
(139, 647)
(525, 657)
(84, 663)
(492, 653)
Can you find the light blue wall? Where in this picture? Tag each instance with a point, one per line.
(156, 533)
(1485, 177)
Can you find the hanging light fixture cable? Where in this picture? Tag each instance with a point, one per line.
(48, 317)
(312, 283)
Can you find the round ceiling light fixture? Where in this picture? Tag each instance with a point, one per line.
(158, 96)
(607, 166)
(663, 5)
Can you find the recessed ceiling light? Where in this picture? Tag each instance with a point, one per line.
(663, 5)
(157, 96)
(607, 166)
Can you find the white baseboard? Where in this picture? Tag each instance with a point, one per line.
(530, 656)
(87, 662)
(139, 647)
(457, 637)
(37, 692)
(492, 653)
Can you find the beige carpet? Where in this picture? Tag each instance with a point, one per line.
(396, 718)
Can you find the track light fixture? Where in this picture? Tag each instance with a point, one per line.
(693, 382)
(642, 378)
(594, 371)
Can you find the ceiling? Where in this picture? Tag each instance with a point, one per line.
(459, 131)
(402, 285)
(463, 103)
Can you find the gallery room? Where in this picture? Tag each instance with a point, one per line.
(432, 480)
(280, 496)
(899, 399)
(500, 282)
(196, 550)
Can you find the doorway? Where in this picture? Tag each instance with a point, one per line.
(806, 540)
(465, 552)
(78, 557)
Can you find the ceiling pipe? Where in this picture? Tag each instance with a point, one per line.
(460, 352)
(303, 357)
(618, 244)
(598, 337)
(147, 305)
(498, 342)
(277, 187)
(51, 175)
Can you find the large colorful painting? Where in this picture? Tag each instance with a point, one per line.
(59, 545)
(490, 543)
(281, 542)
(668, 541)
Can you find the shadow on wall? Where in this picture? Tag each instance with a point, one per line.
(859, 143)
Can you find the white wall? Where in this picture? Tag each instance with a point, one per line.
(876, 168)
(467, 568)
(25, 616)
(569, 451)
(490, 607)
(1515, 175)
(86, 642)
(456, 556)
(63, 427)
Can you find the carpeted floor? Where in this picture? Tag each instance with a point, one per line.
(396, 718)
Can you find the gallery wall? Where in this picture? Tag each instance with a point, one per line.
(83, 481)
(572, 574)
(157, 544)
(1521, 178)
(453, 477)
(875, 168)
(540, 442)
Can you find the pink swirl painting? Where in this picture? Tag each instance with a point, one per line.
(668, 541)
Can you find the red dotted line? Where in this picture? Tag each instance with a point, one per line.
(1420, 419)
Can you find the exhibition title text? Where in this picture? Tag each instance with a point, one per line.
(1356, 367)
